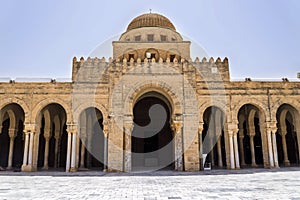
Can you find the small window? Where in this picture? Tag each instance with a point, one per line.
(163, 38)
(137, 38)
(152, 55)
(150, 37)
(130, 56)
(172, 57)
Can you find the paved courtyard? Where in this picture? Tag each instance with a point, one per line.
(217, 184)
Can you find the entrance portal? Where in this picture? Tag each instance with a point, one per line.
(152, 138)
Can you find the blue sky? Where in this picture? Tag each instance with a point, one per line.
(40, 38)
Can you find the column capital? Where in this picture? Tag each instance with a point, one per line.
(105, 130)
(200, 127)
(272, 126)
(56, 134)
(72, 128)
(176, 126)
(241, 133)
(29, 127)
(12, 132)
(47, 133)
(231, 128)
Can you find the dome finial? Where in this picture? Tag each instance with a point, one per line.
(150, 10)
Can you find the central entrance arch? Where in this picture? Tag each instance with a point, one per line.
(152, 138)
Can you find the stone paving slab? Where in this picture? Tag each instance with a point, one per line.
(217, 184)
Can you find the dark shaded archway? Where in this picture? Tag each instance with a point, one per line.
(249, 136)
(91, 147)
(152, 139)
(11, 136)
(214, 132)
(52, 149)
(286, 136)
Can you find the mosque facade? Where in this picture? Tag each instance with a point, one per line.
(149, 107)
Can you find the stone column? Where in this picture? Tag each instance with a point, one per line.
(236, 151)
(241, 141)
(29, 131)
(46, 153)
(275, 154)
(200, 129)
(177, 128)
(270, 148)
(212, 153)
(47, 135)
(77, 151)
(253, 162)
(232, 163)
(12, 136)
(30, 148)
(56, 161)
(68, 164)
(105, 161)
(26, 146)
(284, 148)
(73, 154)
(82, 166)
(127, 146)
(220, 162)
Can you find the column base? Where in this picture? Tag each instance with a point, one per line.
(286, 163)
(9, 168)
(45, 168)
(253, 165)
(28, 168)
(73, 169)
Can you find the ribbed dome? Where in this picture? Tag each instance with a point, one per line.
(151, 20)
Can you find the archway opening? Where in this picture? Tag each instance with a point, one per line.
(214, 131)
(152, 138)
(250, 137)
(286, 136)
(91, 147)
(11, 136)
(52, 148)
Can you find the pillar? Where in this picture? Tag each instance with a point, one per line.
(47, 135)
(68, 164)
(275, 154)
(56, 160)
(73, 154)
(270, 148)
(241, 141)
(12, 136)
(127, 147)
(177, 129)
(26, 147)
(236, 151)
(30, 148)
(252, 147)
(77, 151)
(105, 161)
(220, 162)
(212, 153)
(284, 148)
(82, 153)
(231, 148)
(46, 153)
(201, 161)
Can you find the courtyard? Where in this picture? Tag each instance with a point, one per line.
(282, 183)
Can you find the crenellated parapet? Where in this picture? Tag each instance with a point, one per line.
(95, 69)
